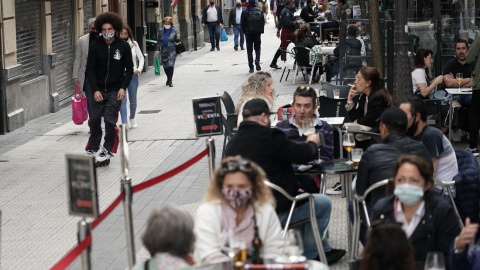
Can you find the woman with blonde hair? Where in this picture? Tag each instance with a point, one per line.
(236, 201)
(167, 36)
(259, 85)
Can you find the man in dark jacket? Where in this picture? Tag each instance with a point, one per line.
(235, 21)
(274, 152)
(252, 25)
(109, 71)
(377, 161)
(308, 15)
(212, 16)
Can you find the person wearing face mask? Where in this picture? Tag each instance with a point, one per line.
(427, 219)
(167, 36)
(445, 166)
(109, 71)
(212, 17)
(138, 61)
(80, 63)
(236, 200)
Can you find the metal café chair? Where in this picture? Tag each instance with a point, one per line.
(312, 219)
(230, 120)
(357, 200)
(447, 186)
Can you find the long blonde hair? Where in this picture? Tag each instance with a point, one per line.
(260, 192)
(254, 88)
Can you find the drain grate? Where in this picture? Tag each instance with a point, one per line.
(212, 70)
(150, 111)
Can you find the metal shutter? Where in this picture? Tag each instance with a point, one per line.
(62, 44)
(87, 13)
(29, 43)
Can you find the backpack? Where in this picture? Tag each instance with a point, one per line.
(255, 22)
(353, 48)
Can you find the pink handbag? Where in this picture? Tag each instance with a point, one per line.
(79, 107)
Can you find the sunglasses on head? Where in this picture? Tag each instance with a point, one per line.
(308, 88)
(235, 166)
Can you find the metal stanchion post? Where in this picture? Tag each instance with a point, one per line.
(211, 155)
(126, 186)
(83, 232)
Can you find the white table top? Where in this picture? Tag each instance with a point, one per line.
(457, 91)
(333, 120)
(319, 49)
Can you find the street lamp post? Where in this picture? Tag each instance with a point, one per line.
(402, 78)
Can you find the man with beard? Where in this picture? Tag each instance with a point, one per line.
(445, 166)
(450, 70)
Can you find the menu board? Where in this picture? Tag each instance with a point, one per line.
(82, 186)
(207, 113)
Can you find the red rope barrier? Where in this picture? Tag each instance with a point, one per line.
(75, 252)
(170, 173)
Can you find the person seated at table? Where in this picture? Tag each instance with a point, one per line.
(366, 108)
(304, 108)
(308, 15)
(428, 220)
(306, 29)
(169, 239)
(271, 149)
(301, 40)
(461, 257)
(387, 248)
(378, 159)
(236, 201)
(420, 79)
(259, 85)
(331, 23)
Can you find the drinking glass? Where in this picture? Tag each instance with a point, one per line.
(357, 156)
(459, 78)
(322, 144)
(308, 128)
(323, 93)
(336, 93)
(293, 246)
(434, 261)
(331, 36)
(234, 247)
(349, 144)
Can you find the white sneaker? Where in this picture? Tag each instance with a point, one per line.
(474, 151)
(102, 124)
(456, 137)
(90, 153)
(335, 190)
(133, 123)
(103, 157)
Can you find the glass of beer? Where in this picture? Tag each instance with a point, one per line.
(459, 78)
(357, 156)
(349, 144)
(235, 247)
(308, 128)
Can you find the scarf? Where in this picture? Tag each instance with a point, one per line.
(166, 34)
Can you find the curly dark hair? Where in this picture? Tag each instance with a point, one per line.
(109, 17)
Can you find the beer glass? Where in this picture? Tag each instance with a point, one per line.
(357, 156)
(349, 144)
(459, 78)
(308, 128)
(434, 261)
(235, 247)
(293, 246)
(336, 93)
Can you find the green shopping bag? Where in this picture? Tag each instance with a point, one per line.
(157, 66)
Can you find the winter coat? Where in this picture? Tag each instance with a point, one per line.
(472, 56)
(168, 53)
(467, 185)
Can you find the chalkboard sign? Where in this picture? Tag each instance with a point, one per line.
(82, 186)
(207, 112)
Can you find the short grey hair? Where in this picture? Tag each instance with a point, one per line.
(90, 21)
(169, 229)
(328, 14)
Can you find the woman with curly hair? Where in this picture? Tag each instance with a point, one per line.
(167, 36)
(259, 85)
(237, 201)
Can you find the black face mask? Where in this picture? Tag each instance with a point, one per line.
(411, 130)
(239, 5)
(212, 3)
(126, 39)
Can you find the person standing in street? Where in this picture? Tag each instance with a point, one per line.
(286, 25)
(166, 47)
(138, 61)
(109, 71)
(474, 111)
(80, 63)
(212, 16)
(235, 21)
(253, 24)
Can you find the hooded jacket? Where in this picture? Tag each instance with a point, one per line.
(109, 67)
(331, 6)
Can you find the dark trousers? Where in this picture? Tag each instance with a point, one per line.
(277, 55)
(474, 115)
(169, 73)
(307, 183)
(109, 109)
(88, 93)
(214, 31)
(253, 42)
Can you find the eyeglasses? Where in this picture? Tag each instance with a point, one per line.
(235, 166)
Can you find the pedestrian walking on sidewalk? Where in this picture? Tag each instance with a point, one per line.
(138, 61)
(212, 17)
(109, 71)
(287, 26)
(166, 47)
(235, 21)
(253, 24)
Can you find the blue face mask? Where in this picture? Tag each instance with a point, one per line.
(108, 36)
(408, 194)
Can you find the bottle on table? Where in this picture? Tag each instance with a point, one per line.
(257, 248)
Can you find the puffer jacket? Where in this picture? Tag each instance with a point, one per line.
(467, 184)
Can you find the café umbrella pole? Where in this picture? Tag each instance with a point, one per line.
(211, 155)
(126, 186)
(83, 232)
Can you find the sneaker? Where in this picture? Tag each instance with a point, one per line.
(275, 66)
(456, 137)
(257, 65)
(90, 153)
(335, 190)
(102, 124)
(103, 157)
(218, 48)
(212, 49)
(250, 71)
(474, 151)
(235, 47)
(133, 123)
(334, 255)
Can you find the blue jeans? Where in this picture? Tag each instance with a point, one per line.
(87, 88)
(253, 42)
(132, 95)
(323, 207)
(237, 30)
(214, 31)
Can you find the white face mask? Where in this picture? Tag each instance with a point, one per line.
(108, 36)
(167, 26)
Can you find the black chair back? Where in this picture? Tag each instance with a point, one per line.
(302, 56)
(329, 107)
(228, 103)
